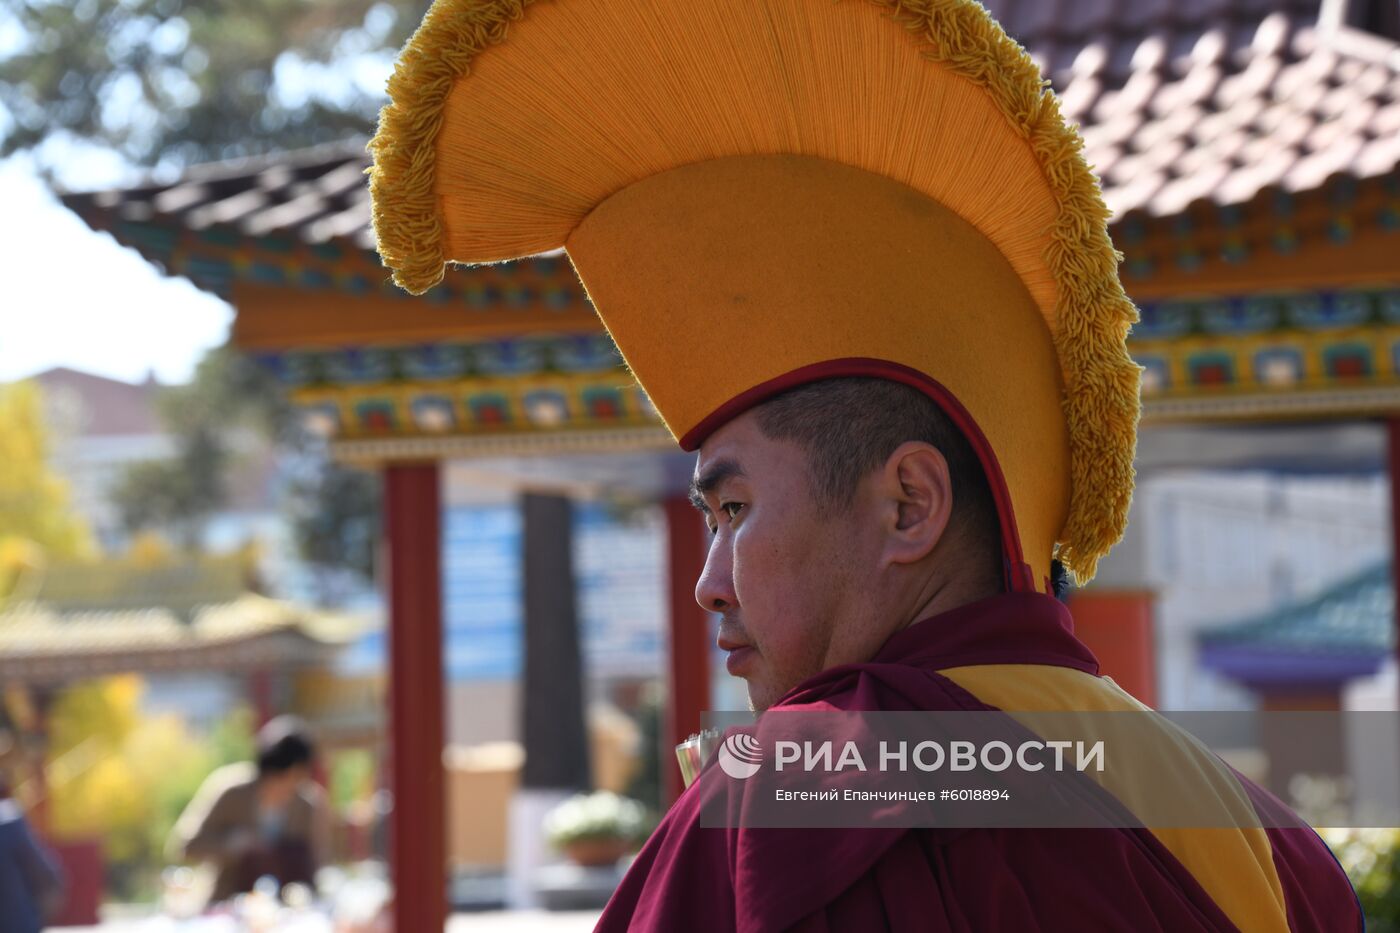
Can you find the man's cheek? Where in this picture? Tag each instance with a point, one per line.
(777, 654)
(751, 564)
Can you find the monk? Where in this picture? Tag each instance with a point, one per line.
(853, 256)
(855, 566)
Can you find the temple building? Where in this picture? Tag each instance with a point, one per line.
(1248, 150)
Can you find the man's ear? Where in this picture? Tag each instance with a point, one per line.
(916, 500)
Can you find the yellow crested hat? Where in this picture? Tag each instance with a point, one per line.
(762, 193)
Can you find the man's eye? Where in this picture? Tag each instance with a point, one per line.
(731, 508)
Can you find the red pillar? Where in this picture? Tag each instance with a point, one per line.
(417, 846)
(1117, 627)
(1393, 450)
(689, 670)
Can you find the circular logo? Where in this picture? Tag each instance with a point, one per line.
(740, 756)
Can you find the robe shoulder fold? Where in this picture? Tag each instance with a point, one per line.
(693, 877)
(1013, 654)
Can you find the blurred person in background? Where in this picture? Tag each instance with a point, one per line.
(30, 884)
(261, 818)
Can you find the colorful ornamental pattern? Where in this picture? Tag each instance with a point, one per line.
(1282, 353)
(517, 386)
(1281, 224)
(217, 258)
(1277, 355)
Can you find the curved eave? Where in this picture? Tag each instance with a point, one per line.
(1279, 669)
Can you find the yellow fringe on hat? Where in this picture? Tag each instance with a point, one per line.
(407, 226)
(1102, 383)
(1093, 313)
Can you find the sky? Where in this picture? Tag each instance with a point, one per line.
(72, 297)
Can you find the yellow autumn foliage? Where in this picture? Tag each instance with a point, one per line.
(36, 516)
(117, 774)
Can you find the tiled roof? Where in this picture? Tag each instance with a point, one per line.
(1356, 616)
(1180, 101)
(39, 642)
(316, 195)
(1217, 100)
(1337, 636)
(84, 618)
(175, 586)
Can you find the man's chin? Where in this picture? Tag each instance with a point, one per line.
(763, 695)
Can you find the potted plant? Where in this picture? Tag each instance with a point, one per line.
(595, 830)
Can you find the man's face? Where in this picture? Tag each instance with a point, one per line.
(281, 786)
(779, 570)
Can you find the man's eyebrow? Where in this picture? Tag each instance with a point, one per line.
(715, 474)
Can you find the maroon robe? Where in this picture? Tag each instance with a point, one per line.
(690, 877)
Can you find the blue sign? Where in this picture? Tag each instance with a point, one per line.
(619, 570)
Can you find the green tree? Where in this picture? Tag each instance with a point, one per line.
(336, 523)
(175, 495)
(229, 397)
(178, 495)
(334, 509)
(179, 82)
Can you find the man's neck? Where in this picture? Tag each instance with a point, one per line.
(944, 595)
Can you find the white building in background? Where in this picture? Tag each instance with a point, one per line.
(98, 427)
(1222, 546)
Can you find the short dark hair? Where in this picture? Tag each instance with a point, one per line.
(850, 426)
(283, 744)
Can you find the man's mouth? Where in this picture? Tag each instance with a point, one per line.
(741, 655)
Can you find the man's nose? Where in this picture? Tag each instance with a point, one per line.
(714, 591)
